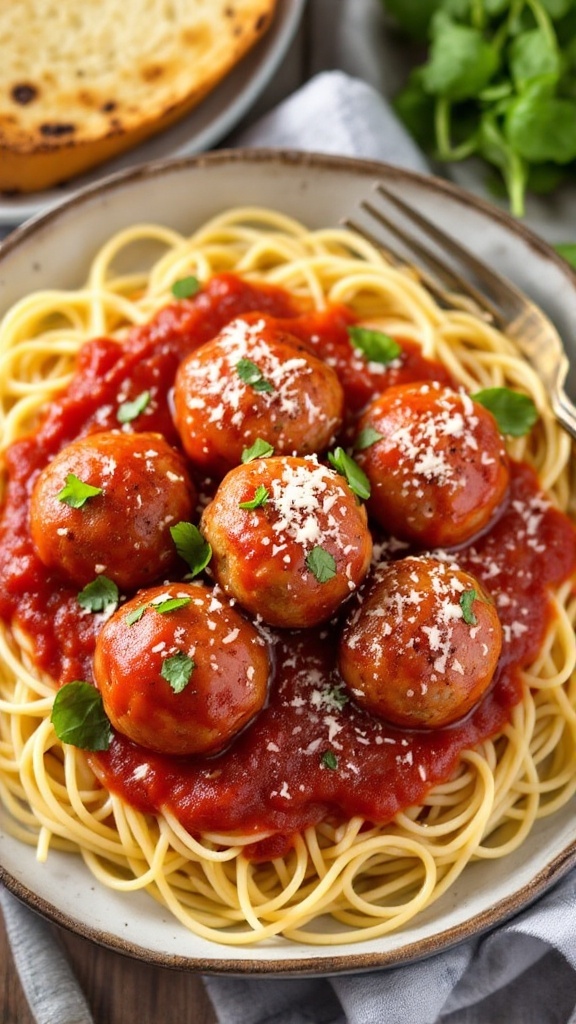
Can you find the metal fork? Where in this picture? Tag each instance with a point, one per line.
(469, 283)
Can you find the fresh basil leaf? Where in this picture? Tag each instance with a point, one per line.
(99, 595)
(329, 760)
(356, 478)
(76, 493)
(259, 450)
(514, 412)
(321, 564)
(129, 411)
(191, 546)
(185, 287)
(79, 718)
(366, 438)
(467, 599)
(252, 375)
(377, 346)
(177, 670)
(261, 495)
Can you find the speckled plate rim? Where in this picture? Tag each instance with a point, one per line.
(357, 958)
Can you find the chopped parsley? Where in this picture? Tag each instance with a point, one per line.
(261, 495)
(377, 346)
(177, 670)
(336, 697)
(172, 604)
(514, 412)
(76, 493)
(191, 546)
(185, 287)
(79, 718)
(251, 374)
(367, 437)
(259, 450)
(136, 614)
(329, 760)
(467, 599)
(99, 596)
(356, 478)
(129, 411)
(321, 564)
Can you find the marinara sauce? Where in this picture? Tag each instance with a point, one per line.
(310, 753)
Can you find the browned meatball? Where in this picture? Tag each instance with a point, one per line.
(254, 381)
(301, 550)
(438, 469)
(179, 670)
(122, 530)
(423, 646)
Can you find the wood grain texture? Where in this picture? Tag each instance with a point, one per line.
(119, 990)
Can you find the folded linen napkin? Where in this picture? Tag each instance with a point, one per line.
(52, 991)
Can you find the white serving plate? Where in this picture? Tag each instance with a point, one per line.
(54, 250)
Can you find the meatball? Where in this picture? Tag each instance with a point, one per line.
(181, 671)
(289, 539)
(423, 646)
(437, 464)
(121, 527)
(252, 381)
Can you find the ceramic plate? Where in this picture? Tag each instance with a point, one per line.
(54, 251)
(205, 126)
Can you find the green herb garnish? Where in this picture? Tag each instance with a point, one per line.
(79, 718)
(329, 760)
(321, 564)
(261, 495)
(377, 346)
(367, 437)
(251, 374)
(129, 411)
(356, 478)
(185, 287)
(514, 412)
(136, 614)
(567, 250)
(177, 670)
(191, 546)
(336, 697)
(498, 83)
(467, 599)
(171, 604)
(259, 450)
(99, 595)
(75, 492)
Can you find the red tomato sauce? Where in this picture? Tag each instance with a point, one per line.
(310, 754)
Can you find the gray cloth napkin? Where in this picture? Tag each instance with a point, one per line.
(52, 991)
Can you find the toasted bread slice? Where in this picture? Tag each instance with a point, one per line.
(82, 82)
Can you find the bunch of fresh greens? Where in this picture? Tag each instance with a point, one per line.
(498, 82)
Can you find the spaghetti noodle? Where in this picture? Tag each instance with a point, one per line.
(236, 886)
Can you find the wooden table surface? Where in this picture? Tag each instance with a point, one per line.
(118, 990)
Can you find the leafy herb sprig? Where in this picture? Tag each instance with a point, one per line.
(499, 83)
